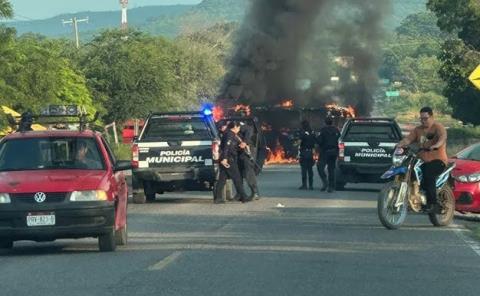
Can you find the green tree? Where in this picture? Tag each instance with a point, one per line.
(6, 10)
(460, 56)
(458, 62)
(35, 75)
(422, 25)
(129, 75)
(461, 17)
(421, 74)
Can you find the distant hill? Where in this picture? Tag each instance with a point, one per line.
(174, 19)
(137, 17)
(404, 8)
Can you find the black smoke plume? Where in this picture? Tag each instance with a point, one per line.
(282, 41)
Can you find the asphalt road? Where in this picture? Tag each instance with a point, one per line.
(291, 242)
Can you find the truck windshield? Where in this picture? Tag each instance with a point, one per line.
(176, 128)
(358, 132)
(50, 153)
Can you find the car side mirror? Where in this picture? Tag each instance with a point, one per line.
(123, 165)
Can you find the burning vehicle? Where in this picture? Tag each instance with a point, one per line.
(280, 124)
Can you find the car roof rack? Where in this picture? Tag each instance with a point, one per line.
(58, 117)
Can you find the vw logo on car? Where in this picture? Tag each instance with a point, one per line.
(40, 197)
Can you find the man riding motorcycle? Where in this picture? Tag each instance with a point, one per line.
(431, 136)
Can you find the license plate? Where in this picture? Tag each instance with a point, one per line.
(35, 219)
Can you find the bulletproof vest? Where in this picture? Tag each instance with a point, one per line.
(328, 137)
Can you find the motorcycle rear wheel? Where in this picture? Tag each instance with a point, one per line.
(446, 200)
(390, 216)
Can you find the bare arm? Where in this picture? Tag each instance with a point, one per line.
(408, 139)
(442, 137)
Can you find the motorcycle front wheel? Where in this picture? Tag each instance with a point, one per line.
(446, 201)
(390, 215)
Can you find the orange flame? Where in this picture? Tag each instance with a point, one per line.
(287, 104)
(242, 108)
(217, 112)
(277, 156)
(351, 110)
(346, 112)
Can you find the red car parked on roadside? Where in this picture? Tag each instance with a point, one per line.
(467, 179)
(61, 184)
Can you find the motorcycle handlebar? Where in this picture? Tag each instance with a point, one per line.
(427, 149)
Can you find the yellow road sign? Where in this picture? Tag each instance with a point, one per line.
(475, 77)
(6, 110)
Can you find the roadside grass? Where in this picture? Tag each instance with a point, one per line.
(122, 151)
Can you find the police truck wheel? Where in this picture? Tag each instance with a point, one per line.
(139, 198)
(6, 244)
(106, 242)
(340, 186)
(150, 197)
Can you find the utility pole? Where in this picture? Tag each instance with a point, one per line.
(74, 21)
(124, 23)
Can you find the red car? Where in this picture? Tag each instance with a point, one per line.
(467, 179)
(61, 184)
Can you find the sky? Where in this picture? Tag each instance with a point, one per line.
(39, 9)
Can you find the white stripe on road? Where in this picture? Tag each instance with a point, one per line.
(165, 261)
(475, 246)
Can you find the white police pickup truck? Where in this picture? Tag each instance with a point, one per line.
(175, 151)
(366, 146)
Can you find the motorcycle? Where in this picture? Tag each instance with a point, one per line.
(403, 192)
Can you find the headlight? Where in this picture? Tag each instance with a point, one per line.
(91, 195)
(397, 160)
(469, 178)
(5, 198)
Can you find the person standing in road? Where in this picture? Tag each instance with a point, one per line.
(230, 146)
(431, 136)
(328, 153)
(246, 160)
(307, 144)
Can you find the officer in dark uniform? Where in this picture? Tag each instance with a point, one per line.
(307, 144)
(25, 122)
(247, 161)
(230, 146)
(328, 150)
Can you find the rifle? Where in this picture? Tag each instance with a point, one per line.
(247, 152)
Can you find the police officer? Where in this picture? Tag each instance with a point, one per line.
(246, 160)
(25, 122)
(230, 146)
(307, 144)
(328, 148)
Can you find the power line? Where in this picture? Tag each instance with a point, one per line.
(74, 21)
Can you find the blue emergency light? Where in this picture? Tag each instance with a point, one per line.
(207, 112)
(207, 109)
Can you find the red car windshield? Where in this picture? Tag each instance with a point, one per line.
(470, 153)
(50, 153)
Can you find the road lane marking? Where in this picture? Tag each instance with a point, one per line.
(475, 246)
(165, 261)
